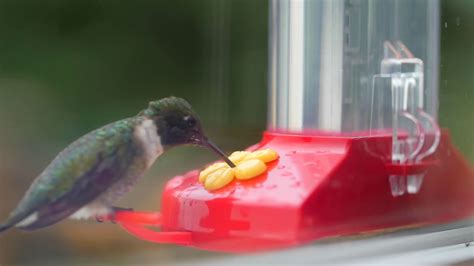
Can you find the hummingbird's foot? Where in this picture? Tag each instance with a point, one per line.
(112, 216)
(101, 218)
(115, 210)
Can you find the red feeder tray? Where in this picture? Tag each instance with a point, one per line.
(321, 186)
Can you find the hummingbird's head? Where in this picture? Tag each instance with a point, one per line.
(178, 124)
(176, 121)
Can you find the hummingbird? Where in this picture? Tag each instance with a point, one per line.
(93, 172)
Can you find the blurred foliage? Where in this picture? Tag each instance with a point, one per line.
(67, 67)
(89, 62)
(456, 98)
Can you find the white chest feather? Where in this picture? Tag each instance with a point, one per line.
(94, 209)
(146, 135)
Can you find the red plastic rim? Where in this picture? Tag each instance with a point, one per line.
(135, 224)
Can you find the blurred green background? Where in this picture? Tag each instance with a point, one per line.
(67, 67)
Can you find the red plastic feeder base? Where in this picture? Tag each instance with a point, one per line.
(320, 187)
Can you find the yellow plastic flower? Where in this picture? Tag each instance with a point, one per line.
(248, 166)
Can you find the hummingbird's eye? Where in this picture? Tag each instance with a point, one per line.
(190, 121)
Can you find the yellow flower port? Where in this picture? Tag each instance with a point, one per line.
(248, 166)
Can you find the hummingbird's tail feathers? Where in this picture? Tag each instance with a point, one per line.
(45, 219)
(4, 227)
(37, 218)
(14, 218)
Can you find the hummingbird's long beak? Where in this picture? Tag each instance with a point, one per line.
(216, 149)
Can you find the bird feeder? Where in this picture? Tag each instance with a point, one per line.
(353, 100)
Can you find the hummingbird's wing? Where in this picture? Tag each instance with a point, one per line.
(78, 175)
